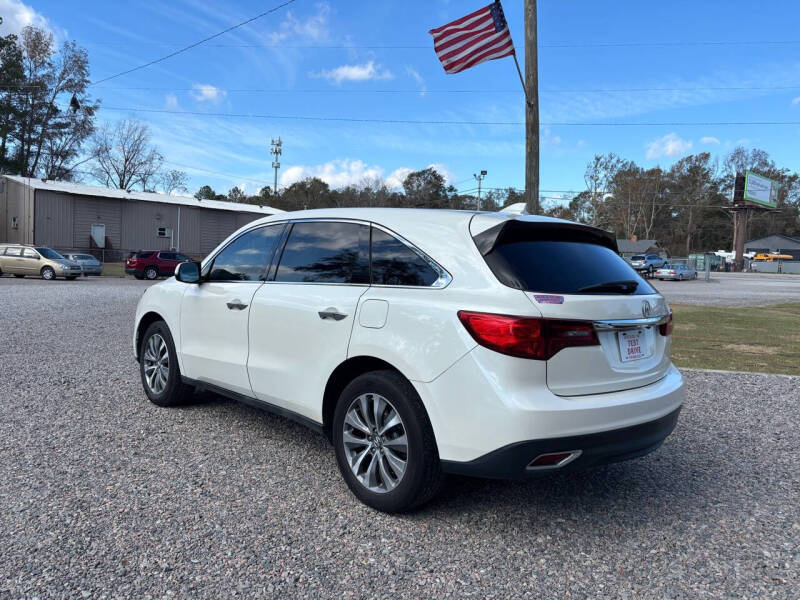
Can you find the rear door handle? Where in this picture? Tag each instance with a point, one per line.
(331, 313)
(236, 305)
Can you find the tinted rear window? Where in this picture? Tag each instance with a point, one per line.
(560, 267)
(326, 252)
(638, 257)
(394, 263)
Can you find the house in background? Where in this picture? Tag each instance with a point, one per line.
(775, 244)
(634, 246)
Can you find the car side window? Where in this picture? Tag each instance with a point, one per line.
(166, 255)
(28, 253)
(247, 257)
(394, 263)
(13, 251)
(181, 257)
(326, 252)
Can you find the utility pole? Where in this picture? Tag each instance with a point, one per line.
(275, 150)
(479, 178)
(532, 111)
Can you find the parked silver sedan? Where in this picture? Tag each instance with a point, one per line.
(89, 264)
(677, 271)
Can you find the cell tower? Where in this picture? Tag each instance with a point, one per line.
(275, 150)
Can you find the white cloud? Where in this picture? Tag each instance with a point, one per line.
(548, 139)
(365, 72)
(581, 143)
(709, 139)
(17, 15)
(414, 74)
(343, 172)
(796, 101)
(669, 145)
(314, 27)
(171, 102)
(203, 92)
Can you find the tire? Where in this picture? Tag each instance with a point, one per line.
(421, 477)
(173, 392)
(85, 274)
(48, 273)
(19, 276)
(150, 273)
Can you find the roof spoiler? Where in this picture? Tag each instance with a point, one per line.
(522, 230)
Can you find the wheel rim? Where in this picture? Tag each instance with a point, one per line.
(48, 273)
(156, 363)
(151, 273)
(375, 443)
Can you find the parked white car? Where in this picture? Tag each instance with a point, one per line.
(423, 342)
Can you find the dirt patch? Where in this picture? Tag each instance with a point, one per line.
(751, 349)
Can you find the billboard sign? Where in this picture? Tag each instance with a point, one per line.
(760, 190)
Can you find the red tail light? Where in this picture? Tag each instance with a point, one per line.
(666, 328)
(527, 337)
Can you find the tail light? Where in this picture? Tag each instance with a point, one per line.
(527, 337)
(666, 328)
(672, 272)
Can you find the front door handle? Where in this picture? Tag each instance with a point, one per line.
(331, 313)
(236, 305)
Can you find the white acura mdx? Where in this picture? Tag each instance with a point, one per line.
(423, 342)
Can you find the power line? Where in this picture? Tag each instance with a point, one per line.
(443, 122)
(195, 44)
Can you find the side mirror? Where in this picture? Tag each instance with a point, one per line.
(188, 272)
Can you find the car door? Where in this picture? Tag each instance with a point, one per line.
(215, 312)
(302, 318)
(12, 259)
(30, 262)
(167, 263)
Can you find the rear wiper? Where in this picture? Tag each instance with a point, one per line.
(620, 287)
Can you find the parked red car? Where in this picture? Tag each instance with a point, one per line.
(150, 264)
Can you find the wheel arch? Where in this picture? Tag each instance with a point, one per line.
(147, 319)
(343, 375)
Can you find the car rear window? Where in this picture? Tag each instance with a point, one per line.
(562, 266)
(143, 255)
(638, 257)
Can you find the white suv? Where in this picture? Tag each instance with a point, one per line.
(423, 342)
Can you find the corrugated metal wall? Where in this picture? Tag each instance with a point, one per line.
(188, 240)
(140, 223)
(53, 224)
(215, 226)
(18, 206)
(88, 211)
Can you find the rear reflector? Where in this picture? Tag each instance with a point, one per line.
(553, 460)
(666, 328)
(527, 337)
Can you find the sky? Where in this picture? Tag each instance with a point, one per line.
(651, 82)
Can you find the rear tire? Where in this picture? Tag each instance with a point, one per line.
(150, 273)
(388, 488)
(158, 368)
(48, 273)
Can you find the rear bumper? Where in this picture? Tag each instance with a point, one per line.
(511, 462)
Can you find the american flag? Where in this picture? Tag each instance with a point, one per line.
(471, 40)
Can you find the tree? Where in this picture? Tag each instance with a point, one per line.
(235, 194)
(425, 188)
(123, 155)
(174, 181)
(207, 193)
(308, 193)
(46, 115)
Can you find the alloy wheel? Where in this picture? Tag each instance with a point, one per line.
(375, 443)
(156, 363)
(151, 273)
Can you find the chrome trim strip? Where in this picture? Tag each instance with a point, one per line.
(618, 324)
(573, 455)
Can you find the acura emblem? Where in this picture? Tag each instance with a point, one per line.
(646, 309)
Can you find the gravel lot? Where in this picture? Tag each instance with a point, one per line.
(732, 289)
(105, 495)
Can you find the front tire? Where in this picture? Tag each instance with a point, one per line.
(48, 273)
(384, 443)
(150, 273)
(158, 368)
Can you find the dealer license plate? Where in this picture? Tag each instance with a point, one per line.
(633, 345)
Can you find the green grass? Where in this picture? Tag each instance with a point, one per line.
(114, 269)
(762, 339)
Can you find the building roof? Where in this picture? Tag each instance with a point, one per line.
(79, 189)
(637, 247)
(793, 241)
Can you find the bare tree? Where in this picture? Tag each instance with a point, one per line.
(124, 157)
(174, 181)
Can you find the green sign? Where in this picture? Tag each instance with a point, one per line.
(761, 190)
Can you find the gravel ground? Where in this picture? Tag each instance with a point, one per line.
(105, 495)
(732, 289)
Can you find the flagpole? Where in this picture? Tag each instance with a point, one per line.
(521, 78)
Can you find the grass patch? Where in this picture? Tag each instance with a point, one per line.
(114, 269)
(758, 338)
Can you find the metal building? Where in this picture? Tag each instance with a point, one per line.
(112, 223)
